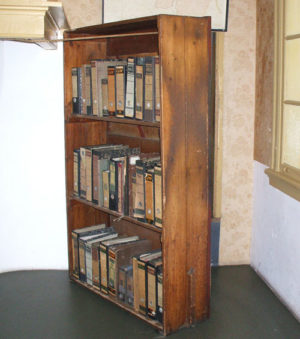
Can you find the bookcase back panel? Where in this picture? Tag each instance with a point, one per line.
(127, 228)
(133, 46)
(146, 145)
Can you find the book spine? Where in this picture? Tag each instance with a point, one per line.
(103, 165)
(139, 208)
(136, 297)
(104, 91)
(82, 173)
(113, 186)
(149, 201)
(130, 87)
(89, 264)
(95, 176)
(120, 71)
(83, 90)
(95, 91)
(106, 180)
(122, 285)
(111, 90)
(111, 273)
(142, 283)
(149, 89)
(158, 196)
(157, 88)
(159, 302)
(75, 96)
(75, 255)
(129, 288)
(103, 270)
(95, 267)
(88, 89)
(139, 89)
(82, 270)
(151, 281)
(76, 171)
(88, 171)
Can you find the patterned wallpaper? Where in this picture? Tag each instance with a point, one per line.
(238, 133)
(81, 13)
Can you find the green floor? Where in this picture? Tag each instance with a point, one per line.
(45, 304)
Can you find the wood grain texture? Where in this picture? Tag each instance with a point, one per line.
(173, 131)
(264, 81)
(197, 79)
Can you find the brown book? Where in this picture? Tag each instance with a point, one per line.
(111, 90)
(157, 88)
(120, 72)
(149, 114)
(105, 184)
(159, 302)
(82, 186)
(149, 196)
(152, 267)
(96, 88)
(120, 255)
(76, 171)
(104, 92)
(139, 88)
(157, 195)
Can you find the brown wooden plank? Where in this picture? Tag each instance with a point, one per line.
(197, 78)
(171, 32)
(126, 227)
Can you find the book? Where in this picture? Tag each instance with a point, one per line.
(119, 255)
(129, 287)
(84, 89)
(76, 234)
(96, 88)
(105, 185)
(158, 195)
(76, 90)
(82, 171)
(157, 88)
(130, 88)
(104, 93)
(139, 278)
(152, 268)
(124, 272)
(76, 172)
(139, 88)
(88, 88)
(120, 74)
(149, 113)
(149, 195)
(111, 83)
(103, 255)
(159, 302)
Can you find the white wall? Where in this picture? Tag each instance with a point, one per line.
(275, 250)
(32, 174)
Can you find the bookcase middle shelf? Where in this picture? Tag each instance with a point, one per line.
(117, 214)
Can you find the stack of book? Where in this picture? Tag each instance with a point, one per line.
(122, 88)
(123, 267)
(121, 179)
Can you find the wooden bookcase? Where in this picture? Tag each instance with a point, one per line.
(184, 47)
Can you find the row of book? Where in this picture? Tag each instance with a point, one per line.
(124, 267)
(121, 179)
(122, 88)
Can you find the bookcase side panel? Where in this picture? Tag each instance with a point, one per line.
(171, 36)
(197, 65)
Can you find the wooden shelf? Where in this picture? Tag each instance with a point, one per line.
(125, 307)
(82, 118)
(119, 215)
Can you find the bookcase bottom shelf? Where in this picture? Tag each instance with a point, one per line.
(153, 323)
